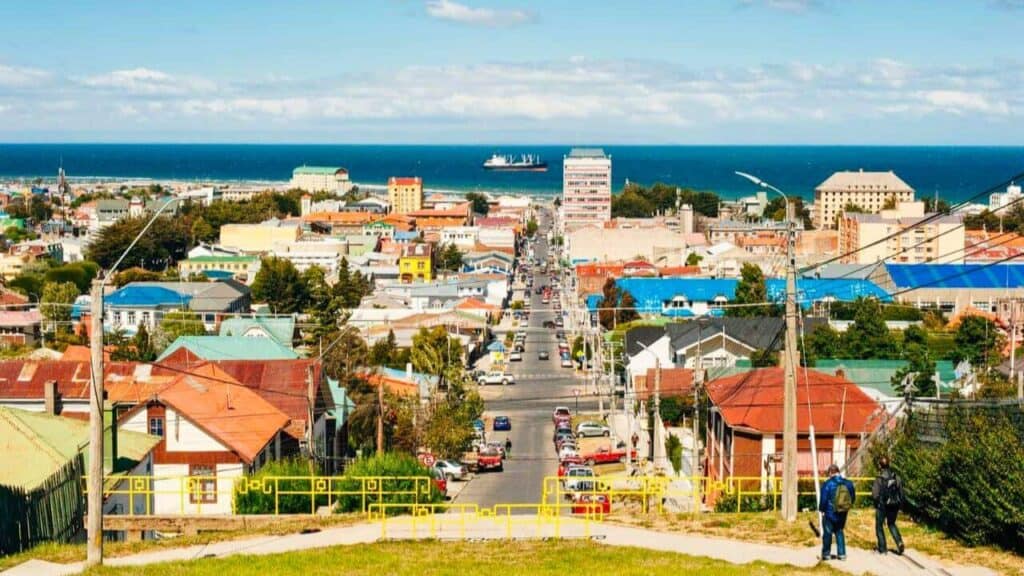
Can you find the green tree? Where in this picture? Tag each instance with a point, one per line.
(978, 341)
(435, 353)
(610, 300)
(279, 285)
(776, 210)
(693, 259)
(479, 202)
(202, 231)
(80, 273)
(750, 289)
(159, 248)
(134, 274)
(14, 234)
(931, 205)
(868, 337)
(322, 304)
(142, 345)
(823, 342)
(55, 305)
(531, 227)
(179, 323)
(627, 308)
(449, 257)
(383, 351)
(919, 363)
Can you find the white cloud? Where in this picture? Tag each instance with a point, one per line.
(19, 77)
(463, 14)
(960, 102)
(146, 81)
(784, 5)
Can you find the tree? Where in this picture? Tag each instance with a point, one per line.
(919, 363)
(776, 210)
(14, 234)
(479, 202)
(868, 337)
(931, 205)
(142, 346)
(627, 308)
(135, 274)
(434, 353)
(279, 285)
(80, 273)
(978, 341)
(160, 247)
(202, 231)
(531, 227)
(823, 342)
(322, 304)
(55, 305)
(750, 289)
(606, 314)
(449, 257)
(179, 323)
(693, 259)
(383, 351)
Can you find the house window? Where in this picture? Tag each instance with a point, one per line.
(202, 484)
(131, 318)
(156, 426)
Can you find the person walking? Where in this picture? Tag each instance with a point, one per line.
(508, 447)
(887, 492)
(837, 496)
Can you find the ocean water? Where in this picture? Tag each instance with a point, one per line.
(955, 173)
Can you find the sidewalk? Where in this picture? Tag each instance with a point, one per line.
(454, 526)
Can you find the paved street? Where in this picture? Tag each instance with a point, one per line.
(542, 385)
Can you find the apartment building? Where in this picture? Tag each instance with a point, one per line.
(939, 241)
(405, 194)
(586, 187)
(321, 179)
(870, 191)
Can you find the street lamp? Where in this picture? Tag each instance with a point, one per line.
(789, 433)
(94, 503)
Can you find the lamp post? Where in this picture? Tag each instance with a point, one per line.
(94, 504)
(789, 433)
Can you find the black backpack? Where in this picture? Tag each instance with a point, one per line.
(892, 491)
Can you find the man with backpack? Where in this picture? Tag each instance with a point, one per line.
(887, 492)
(837, 497)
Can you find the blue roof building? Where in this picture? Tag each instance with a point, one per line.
(905, 276)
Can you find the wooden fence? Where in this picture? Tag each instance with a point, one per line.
(54, 511)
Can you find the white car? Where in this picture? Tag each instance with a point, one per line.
(568, 449)
(590, 429)
(496, 378)
(581, 478)
(451, 470)
(516, 356)
(566, 363)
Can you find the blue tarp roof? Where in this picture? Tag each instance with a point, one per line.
(956, 275)
(146, 296)
(650, 293)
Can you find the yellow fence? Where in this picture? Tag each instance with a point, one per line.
(380, 497)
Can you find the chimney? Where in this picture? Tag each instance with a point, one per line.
(50, 397)
(840, 373)
(408, 370)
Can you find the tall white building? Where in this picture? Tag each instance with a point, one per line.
(586, 187)
(1000, 200)
(870, 191)
(321, 179)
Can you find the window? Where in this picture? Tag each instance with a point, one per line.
(203, 484)
(156, 426)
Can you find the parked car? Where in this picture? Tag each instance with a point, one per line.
(440, 481)
(451, 470)
(549, 324)
(488, 459)
(560, 412)
(579, 479)
(516, 356)
(591, 429)
(498, 447)
(502, 423)
(496, 377)
(606, 455)
(567, 463)
(592, 504)
(543, 355)
(567, 450)
(566, 362)
(563, 437)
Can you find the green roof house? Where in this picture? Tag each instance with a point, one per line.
(187, 348)
(280, 329)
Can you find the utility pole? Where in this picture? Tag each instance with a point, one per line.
(698, 381)
(1013, 337)
(94, 505)
(789, 448)
(380, 415)
(657, 409)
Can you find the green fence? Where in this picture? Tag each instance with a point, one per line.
(54, 511)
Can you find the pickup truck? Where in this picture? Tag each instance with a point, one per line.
(489, 460)
(502, 378)
(606, 455)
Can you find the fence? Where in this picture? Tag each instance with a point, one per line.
(52, 512)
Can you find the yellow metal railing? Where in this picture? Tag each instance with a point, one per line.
(377, 497)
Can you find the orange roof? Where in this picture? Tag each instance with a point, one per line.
(675, 382)
(599, 269)
(401, 222)
(393, 385)
(679, 270)
(342, 217)
(474, 304)
(405, 181)
(460, 211)
(753, 400)
(229, 412)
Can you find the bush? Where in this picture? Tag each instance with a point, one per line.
(389, 465)
(749, 503)
(258, 501)
(674, 449)
(970, 487)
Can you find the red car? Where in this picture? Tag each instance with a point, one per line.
(592, 504)
(561, 413)
(489, 460)
(440, 482)
(606, 455)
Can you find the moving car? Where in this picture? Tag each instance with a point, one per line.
(560, 412)
(516, 356)
(591, 429)
(566, 362)
(451, 470)
(543, 355)
(495, 377)
(498, 447)
(489, 459)
(502, 423)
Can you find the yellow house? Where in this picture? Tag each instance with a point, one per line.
(255, 238)
(416, 263)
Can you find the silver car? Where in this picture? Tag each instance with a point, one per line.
(592, 429)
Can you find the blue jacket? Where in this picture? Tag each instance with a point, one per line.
(828, 492)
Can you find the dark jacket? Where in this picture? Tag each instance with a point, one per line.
(878, 486)
(828, 493)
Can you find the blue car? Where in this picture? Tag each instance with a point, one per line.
(502, 423)
(478, 425)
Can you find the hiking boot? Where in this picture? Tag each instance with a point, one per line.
(900, 549)
(842, 558)
(824, 558)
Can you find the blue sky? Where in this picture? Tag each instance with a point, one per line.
(485, 71)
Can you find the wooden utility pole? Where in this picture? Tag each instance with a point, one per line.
(380, 415)
(789, 448)
(94, 505)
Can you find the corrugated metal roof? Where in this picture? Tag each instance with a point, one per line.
(956, 275)
(231, 348)
(281, 329)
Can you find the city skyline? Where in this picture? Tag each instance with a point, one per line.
(473, 71)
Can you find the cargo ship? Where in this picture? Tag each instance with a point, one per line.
(507, 163)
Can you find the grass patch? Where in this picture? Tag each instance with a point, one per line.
(69, 553)
(456, 558)
(769, 528)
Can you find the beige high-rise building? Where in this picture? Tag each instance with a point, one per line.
(868, 190)
(939, 241)
(405, 194)
(586, 187)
